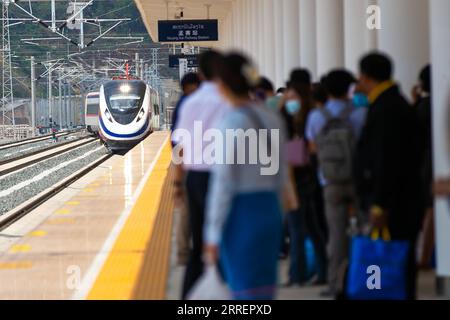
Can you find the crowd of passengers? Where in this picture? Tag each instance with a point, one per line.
(356, 154)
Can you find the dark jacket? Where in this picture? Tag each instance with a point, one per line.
(176, 112)
(388, 162)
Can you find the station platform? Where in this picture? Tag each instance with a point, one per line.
(107, 236)
(111, 236)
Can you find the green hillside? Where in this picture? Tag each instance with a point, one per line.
(106, 9)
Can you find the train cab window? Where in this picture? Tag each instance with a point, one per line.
(125, 96)
(123, 103)
(92, 106)
(124, 99)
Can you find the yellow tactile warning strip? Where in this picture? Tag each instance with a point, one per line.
(120, 273)
(16, 265)
(152, 280)
(20, 248)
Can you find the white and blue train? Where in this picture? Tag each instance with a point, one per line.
(128, 113)
(91, 107)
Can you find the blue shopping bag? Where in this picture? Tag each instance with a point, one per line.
(311, 267)
(377, 262)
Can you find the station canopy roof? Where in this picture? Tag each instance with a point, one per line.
(154, 10)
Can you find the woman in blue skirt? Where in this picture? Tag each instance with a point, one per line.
(243, 227)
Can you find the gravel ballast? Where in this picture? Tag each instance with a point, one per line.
(14, 152)
(89, 153)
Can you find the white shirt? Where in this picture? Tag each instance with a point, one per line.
(201, 111)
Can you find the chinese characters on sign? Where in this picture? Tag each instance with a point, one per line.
(188, 30)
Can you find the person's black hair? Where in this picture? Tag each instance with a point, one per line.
(338, 82)
(300, 76)
(319, 93)
(232, 73)
(281, 90)
(190, 78)
(265, 85)
(376, 66)
(209, 62)
(425, 78)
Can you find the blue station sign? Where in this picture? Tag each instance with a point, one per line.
(188, 30)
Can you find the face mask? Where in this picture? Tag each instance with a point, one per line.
(360, 100)
(273, 102)
(293, 106)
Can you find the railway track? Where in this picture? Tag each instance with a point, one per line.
(35, 139)
(27, 183)
(24, 149)
(22, 161)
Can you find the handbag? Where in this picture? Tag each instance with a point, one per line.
(311, 266)
(297, 152)
(377, 268)
(210, 286)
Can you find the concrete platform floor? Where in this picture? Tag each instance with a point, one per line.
(427, 281)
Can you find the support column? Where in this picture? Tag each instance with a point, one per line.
(404, 36)
(242, 24)
(291, 40)
(330, 35)
(69, 105)
(253, 54)
(33, 95)
(308, 43)
(236, 43)
(228, 31)
(222, 35)
(269, 40)
(49, 93)
(59, 100)
(136, 62)
(261, 35)
(359, 39)
(440, 52)
(247, 26)
(279, 43)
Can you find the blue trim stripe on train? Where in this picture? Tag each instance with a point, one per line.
(124, 136)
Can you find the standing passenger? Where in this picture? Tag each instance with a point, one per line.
(204, 109)
(264, 89)
(189, 84)
(243, 226)
(423, 105)
(387, 159)
(320, 99)
(324, 132)
(304, 221)
(319, 95)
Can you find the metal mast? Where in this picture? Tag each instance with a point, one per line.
(7, 86)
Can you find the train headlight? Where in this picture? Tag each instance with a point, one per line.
(125, 88)
(141, 115)
(108, 115)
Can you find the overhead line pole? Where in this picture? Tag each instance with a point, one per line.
(33, 95)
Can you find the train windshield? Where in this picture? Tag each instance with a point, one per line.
(123, 103)
(125, 99)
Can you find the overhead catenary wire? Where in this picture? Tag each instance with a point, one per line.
(80, 74)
